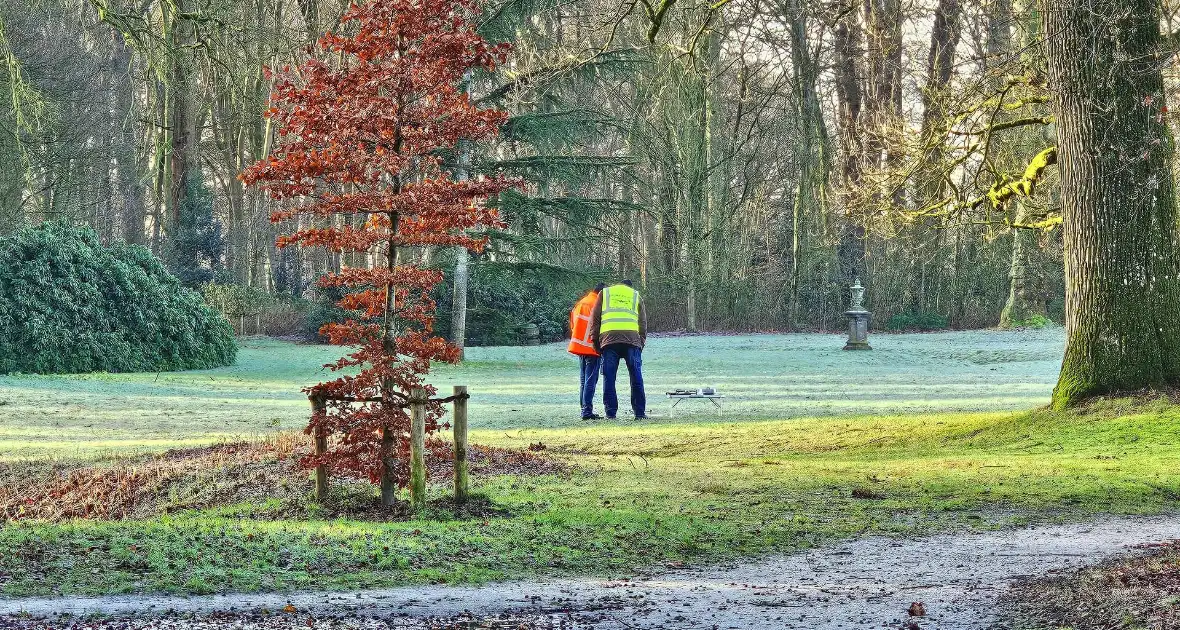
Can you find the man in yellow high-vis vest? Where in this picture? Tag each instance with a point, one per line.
(618, 330)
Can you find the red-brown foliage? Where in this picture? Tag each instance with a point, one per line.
(237, 473)
(358, 166)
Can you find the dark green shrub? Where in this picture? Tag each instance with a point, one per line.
(917, 321)
(69, 304)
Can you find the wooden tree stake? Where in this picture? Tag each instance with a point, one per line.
(418, 448)
(318, 405)
(460, 425)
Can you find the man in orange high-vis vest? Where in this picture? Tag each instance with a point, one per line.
(583, 347)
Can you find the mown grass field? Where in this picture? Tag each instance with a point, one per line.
(885, 448)
(765, 376)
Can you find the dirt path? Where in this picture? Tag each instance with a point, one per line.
(867, 583)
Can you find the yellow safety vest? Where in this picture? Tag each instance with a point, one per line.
(620, 309)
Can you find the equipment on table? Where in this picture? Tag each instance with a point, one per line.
(706, 393)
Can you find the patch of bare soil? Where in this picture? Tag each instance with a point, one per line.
(263, 475)
(1138, 591)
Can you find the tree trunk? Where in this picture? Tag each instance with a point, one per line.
(389, 435)
(883, 22)
(1024, 293)
(389, 334)
(999, 34)
(1024, 299)
(1118, 198)
(459, 299)
(128, 192)
(160, 166)
(310, 10)
(811, 193)
(183, 118)
(924, 247)
(462, 277)
(850, 96)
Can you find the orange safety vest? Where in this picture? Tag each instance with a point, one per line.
(580, 326)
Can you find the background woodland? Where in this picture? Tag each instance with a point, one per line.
(742, 160)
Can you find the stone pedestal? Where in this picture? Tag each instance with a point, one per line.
(858, 320)
(858, 330)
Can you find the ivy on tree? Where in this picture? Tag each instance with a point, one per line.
(360, 134)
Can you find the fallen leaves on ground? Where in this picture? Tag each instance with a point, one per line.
(144, 486)
(1140, 591)
(261, 621)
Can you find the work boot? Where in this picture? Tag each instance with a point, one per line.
(592, 416)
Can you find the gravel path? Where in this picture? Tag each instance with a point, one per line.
(866, 583)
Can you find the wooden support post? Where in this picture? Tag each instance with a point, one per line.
(318, 405)
(417, 448)
(460, 424)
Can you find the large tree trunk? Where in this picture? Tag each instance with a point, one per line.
(926, 257)
(850, 96)
(999, 35)
(183, 145)
(883, 36)
(462, 277)
(940, 65)
(811, 194)
(1025, 299)
(127, 168)
(105, 221)
(1118, 197)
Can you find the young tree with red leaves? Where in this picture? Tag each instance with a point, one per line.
(359, 158)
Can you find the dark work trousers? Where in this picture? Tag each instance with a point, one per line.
(589, 383)
(611, 355)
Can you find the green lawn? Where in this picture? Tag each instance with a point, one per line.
(684, 490)
(765, 376)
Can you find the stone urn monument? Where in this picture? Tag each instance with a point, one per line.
(858, 320)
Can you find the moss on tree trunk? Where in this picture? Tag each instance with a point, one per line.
(1118, 197)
